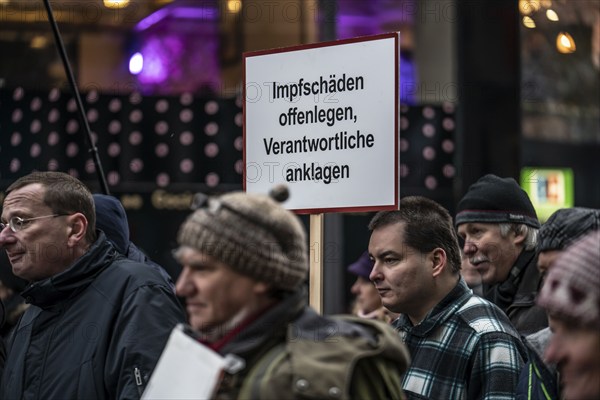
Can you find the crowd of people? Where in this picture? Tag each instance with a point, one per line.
(488, 304)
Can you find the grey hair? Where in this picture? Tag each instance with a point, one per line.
(531, 234)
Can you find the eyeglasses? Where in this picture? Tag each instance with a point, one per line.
(17, 224)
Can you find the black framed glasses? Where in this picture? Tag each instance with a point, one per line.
(17, 224)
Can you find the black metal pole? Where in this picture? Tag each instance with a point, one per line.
(63, 55)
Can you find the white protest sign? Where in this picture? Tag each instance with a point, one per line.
(323, 120)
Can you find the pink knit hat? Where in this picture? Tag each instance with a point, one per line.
(572, 287)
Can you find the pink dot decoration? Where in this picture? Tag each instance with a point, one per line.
(162, 179)
(16, 139)
(161, 150)
(239, 166)
(211, 107)
(211, 150)
(239, 119)
(429, 153)
(448, 146)
(36, 126)
(429, 130)
(404, 124)
(35, 150)
(449, 171)
(53, 165)
(161, 128)
(404, 170)
(135, 138)
(113, 178)
(92, 115)
(162, 106)
(211, 128)
(18, 94)
(17, 115)
(135, 98)
(54, 95)
(186, 165)
(90, 167)
(238, 143)
(72, 126)
(448, 124)
(448, 108)
(71, 105)
(15, 165)
(428, 112)
(115, 105)
(186, 115)
(186, 99)
(53, 116)
(114, 127)
(36, 104)
(186, 138)
(73, 172)
(72, 149)
(212, 179)
(404, 145)
(53, 139)
(136, 116)
(114, 149)
(92, 96)
(136, 165)
(430, 182)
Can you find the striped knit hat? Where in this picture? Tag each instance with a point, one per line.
(572, 287)
(252, 234)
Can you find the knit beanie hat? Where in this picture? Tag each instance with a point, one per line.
(252, 234)
(572, 287)
(362, 267)
(567, 225)
(496, 200)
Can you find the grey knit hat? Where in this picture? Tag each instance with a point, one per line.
(496, 200)
(567, 225)
(572, 287)
(252, 234)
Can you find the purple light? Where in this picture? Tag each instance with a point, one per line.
(199, 13)
(136, 63)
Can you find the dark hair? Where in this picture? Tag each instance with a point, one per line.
(428, 225)
(64, 195)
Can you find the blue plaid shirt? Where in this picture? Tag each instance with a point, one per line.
(465, 348)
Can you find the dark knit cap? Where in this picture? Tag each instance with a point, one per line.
(572, 288)
(362, 267)
(252, 234)
(496, 200)
(567, 225)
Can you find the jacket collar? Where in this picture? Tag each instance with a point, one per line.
(438, 314)
(55, 289)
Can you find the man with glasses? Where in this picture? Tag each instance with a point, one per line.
(97, 321)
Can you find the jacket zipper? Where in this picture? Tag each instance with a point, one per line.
(138, 380)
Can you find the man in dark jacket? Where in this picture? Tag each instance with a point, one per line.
(499, 226)
(244, 261)
(97, 321)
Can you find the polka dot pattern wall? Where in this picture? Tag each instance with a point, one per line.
(185, 141)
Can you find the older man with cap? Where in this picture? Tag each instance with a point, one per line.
(499, 226)
(245, 261)
(571, 294)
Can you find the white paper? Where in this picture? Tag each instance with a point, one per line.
(186, 370)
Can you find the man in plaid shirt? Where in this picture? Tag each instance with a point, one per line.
(462, 346)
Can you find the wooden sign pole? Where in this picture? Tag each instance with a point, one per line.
(315, 283)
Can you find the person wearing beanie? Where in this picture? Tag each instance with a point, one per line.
(244, 265)
(563, 227)
(499, 226)
(367, 303)
(112, 220)
(462, 346)
(571, 295)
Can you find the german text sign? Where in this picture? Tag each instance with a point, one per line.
(323, 120)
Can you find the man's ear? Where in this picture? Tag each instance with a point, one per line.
(439, 260)
(519, 238)
(77, 228)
